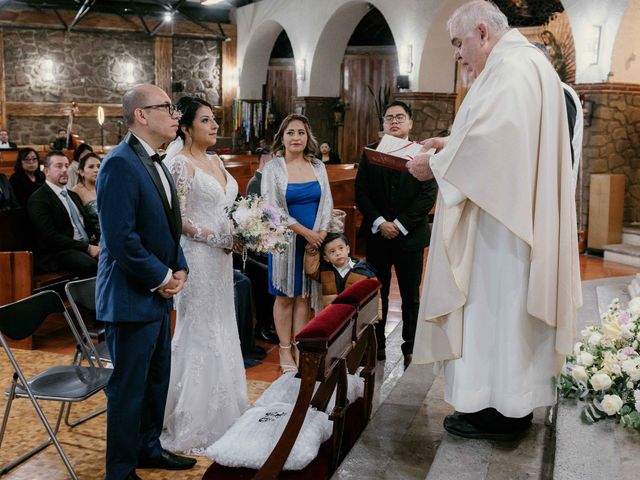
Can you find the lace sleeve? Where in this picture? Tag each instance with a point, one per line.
(182, 174)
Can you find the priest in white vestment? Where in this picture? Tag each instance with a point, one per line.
(502, 284)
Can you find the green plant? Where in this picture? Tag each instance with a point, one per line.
(380, 100)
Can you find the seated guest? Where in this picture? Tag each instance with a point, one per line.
(251, 354)
(258, 271)
(27, 177)
(8, 199)
(63, 229)
(327, 156)
(61, 141)
(4, 141)
(79, 153)
(86, 187)
(336, 270)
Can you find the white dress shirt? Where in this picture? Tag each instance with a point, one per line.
(345, 269)
(58, 191)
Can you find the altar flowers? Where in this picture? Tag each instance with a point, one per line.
(604, 369)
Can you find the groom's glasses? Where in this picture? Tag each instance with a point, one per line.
(171, 108)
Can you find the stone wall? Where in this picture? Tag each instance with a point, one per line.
(433, 113)
(88, 67)
(197, 65)
(42, 130)
(612, 143)
(92, 67)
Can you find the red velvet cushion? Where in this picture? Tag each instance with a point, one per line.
(328, 323)
(359, 293)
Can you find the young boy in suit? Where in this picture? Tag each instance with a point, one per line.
(336, 270)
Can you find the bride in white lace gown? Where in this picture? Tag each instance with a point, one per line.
(207, 389)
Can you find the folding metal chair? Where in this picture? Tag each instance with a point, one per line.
(82, 295)
(61, 383)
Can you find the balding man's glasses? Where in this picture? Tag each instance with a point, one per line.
(171, 108)
(400, 118)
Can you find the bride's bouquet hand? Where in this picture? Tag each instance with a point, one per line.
(257, 226)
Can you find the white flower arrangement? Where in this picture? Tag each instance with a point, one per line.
(259, 227)
(604, 369)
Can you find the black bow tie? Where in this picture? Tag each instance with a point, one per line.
(157, 158)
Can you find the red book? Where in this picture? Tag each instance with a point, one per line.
(386, 160)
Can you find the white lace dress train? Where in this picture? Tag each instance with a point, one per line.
(207, 389)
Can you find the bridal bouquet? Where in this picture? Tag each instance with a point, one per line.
(259, 227)
(604, 369)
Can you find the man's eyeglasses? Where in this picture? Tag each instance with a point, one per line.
(400, 118)
(171, 108)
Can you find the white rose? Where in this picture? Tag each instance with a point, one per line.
(579, 374)
(586, 359)
(576, 348)
(636, 396)
(634, 305)
(630, 385)
(595, 339)
(611, 404)
(601, 382)
(632, 368)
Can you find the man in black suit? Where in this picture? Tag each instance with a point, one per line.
(4, 141)
(395, 207)
(8, 198)
(63, 231)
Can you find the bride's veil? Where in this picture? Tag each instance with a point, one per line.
(172, 150)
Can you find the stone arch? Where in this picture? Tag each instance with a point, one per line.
(436, 63)
(255, 63)
(324, 74)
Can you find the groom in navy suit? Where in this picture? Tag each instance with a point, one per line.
(141, 268)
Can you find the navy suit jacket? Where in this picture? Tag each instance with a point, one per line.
(140, 236)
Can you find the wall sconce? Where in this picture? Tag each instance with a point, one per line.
(128, 73)
(592, 45)
(230, 79)
(301, 67)
(405, 59)
(587, 109)
(48, 73)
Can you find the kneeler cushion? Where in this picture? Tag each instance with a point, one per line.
(359, 293)
(285, 390)
(249, 442)
(326, 324)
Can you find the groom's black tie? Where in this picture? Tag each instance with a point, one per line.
(157, 158)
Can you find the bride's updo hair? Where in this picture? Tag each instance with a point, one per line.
(189, 106)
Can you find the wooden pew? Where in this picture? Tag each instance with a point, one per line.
(327, 354)
(342, 180)
(17, 277)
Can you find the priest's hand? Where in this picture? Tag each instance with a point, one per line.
(434, 142)
(419, 167)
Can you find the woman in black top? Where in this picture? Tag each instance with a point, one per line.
(27, 177)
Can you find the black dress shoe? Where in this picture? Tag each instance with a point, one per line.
(167, 461)
(407, 360)
(382, 354)
(268, 335)
(487, 424)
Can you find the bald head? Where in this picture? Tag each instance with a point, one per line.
(146, 112)
(137, 97)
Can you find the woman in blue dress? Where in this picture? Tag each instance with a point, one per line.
(296, 182)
